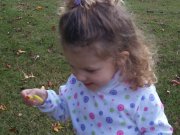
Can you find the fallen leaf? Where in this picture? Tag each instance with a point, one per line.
(42, 88)
(18, 29)
(35, 57)
(177, 124)
(18, 17)
(56, 127)
(61, 10)
(39, 8)
(8, 66)
(162, 29)
(175, 82)
(49, 50)
(150, 11)
(53, 28)
(22, 6)
(3, 107)
(20, 52)
(14, 130)
(168, 91)
(28, 76)
(50, 84)
(19, 114)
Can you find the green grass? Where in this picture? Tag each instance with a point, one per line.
(23, 27)
(161, 18)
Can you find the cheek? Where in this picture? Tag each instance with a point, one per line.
(105, 77)
(102, 79)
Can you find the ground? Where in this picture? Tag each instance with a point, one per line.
(31, 57)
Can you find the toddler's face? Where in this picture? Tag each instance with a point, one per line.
(91, 70)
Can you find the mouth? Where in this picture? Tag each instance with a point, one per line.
(88, 84)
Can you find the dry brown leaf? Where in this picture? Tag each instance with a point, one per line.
(3, 107)
(50, 84)
(53, 28)
(49, 50)
(56, 127)
(20, 52)
(13, 130)
(39, 8)
(28, 76)
(175, 82)
(177, 124)
(18, 17)
(8, 66)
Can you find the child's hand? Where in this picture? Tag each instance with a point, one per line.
(34, 97)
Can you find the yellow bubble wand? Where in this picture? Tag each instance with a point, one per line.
(35, 97)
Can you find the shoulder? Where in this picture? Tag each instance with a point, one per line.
(147, 89)
(148, 93)
(149, 99)
(145, 96)
(150, 116)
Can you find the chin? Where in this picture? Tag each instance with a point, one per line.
(93, 88)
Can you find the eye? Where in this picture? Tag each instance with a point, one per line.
(72, 67)
(90, 70)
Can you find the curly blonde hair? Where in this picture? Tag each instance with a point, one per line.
(107, 21)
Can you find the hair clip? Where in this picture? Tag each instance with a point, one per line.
(77, 2)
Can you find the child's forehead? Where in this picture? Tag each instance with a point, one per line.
(95, 45)
(101, 50)
(76, 49)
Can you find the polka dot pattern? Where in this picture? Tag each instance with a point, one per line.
(112, 110)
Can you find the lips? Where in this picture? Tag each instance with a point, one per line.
(88, 84)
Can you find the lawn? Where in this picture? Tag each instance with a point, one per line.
(31, 57)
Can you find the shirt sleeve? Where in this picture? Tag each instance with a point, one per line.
(55, 106)
(150, 117)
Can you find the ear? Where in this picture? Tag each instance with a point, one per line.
(121, 57)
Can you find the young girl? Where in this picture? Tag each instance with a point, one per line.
(111, 90)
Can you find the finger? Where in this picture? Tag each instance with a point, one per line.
(30, 101)
(25, 92)
(26, 96)
(34, 100)
(32, 97)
